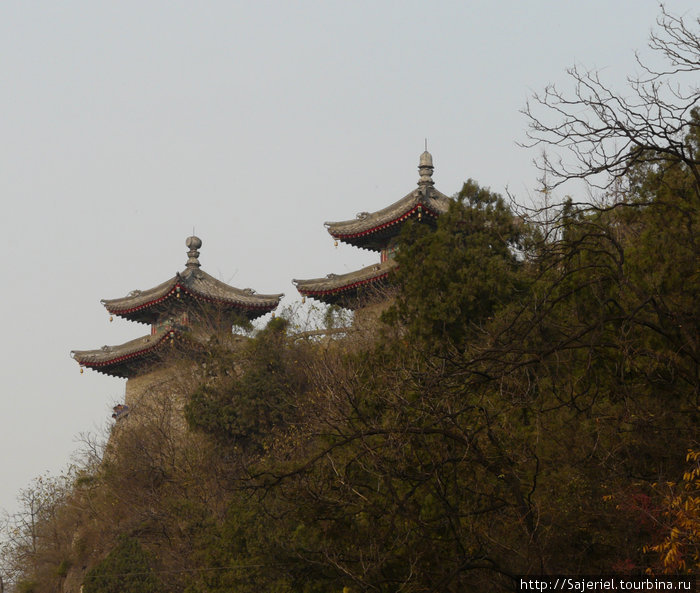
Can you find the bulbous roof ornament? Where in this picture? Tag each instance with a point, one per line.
(425, 168)
(193, 244)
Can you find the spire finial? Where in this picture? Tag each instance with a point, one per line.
(193, 244)
(425, 167)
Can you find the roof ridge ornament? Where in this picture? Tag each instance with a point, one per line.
(425, 168)
(193, 244)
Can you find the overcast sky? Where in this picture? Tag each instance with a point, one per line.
(125, 124)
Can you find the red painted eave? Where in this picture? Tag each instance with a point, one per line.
(417, 208)
(313, 293)
(137, 354)
(194, 295)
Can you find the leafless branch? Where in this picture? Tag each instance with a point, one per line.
(599, 134)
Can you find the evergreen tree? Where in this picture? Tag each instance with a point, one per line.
(126, 569)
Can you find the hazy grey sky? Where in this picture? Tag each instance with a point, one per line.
(124, 124)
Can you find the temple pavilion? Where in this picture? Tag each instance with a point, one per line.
(185, 311)
(376, 231)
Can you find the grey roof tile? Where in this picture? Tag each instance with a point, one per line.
(122, 360)
(343, 289)
(373, 230)
(197, 284)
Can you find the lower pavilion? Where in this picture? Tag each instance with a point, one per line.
(377, 231)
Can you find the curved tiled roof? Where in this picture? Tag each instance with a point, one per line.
(125, 359)
(168, 307)
(344, 289)
(374, 230)
(146, 306)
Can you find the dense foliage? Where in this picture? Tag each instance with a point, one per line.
(126, 569)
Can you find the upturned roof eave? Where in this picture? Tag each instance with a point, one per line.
(338, 283)
(109, 359)
(350, 294)
(199, 285)
(138, 299)
(366, 224)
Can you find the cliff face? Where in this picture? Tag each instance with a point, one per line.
(171, 383)
(153, 427)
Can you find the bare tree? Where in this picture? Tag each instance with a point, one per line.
(29, 536)
(598, 134)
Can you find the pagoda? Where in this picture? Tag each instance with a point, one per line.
(185, 311)
(376, 231)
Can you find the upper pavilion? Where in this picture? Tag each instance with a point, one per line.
(377, 231)
(188, 308)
